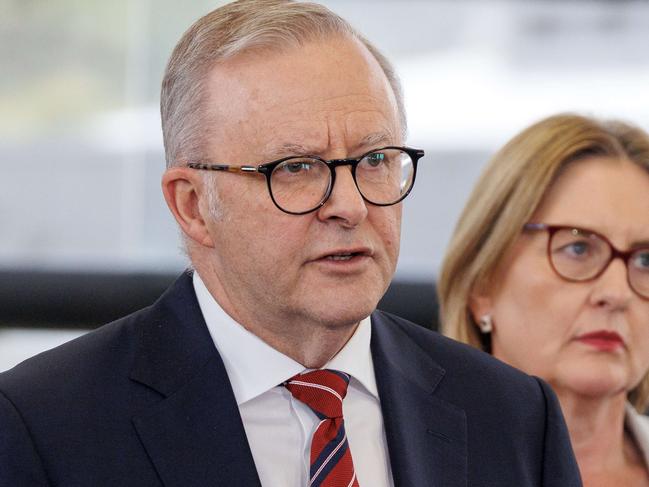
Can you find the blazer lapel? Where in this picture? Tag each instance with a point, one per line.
(427, 437)
(194, 436)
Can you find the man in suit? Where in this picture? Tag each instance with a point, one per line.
(268, 364)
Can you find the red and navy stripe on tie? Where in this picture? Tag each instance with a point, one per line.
(331, 459)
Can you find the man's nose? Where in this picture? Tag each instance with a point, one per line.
(611, 289)
(345, 202)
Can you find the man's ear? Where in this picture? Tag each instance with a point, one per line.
(182, 189)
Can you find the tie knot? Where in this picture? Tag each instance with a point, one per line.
(322, 390)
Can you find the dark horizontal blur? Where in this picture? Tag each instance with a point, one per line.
(83, 300)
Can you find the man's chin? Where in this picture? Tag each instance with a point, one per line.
(343, 314)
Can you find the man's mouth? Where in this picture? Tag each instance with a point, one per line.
(345, 255)
(342, 256)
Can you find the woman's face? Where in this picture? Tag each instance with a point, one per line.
(589, 338)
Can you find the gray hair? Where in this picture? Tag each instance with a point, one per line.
(241, 26)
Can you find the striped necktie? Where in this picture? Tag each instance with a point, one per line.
(331, 460)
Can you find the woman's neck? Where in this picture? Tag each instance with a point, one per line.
(596, 427)
(603, 449)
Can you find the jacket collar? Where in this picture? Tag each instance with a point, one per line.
(194, 435)
(426, 435)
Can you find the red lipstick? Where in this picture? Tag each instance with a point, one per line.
(606, 341)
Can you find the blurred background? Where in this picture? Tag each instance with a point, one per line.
(85, 235)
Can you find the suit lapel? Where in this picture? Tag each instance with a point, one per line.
(427, 437)
(194, 436)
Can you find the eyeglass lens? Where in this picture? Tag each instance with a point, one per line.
(639, 272)
(300, 184)
(579, 255)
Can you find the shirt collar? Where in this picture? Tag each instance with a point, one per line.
(255, 367)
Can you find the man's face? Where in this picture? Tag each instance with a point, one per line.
(327, 268)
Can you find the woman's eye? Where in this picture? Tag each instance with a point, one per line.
(576, 249)
(641, 260)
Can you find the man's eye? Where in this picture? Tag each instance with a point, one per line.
(376, 159)
(297, 167)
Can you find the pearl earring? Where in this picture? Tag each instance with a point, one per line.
(486, 324)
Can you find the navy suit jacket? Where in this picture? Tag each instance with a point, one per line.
(145, 401)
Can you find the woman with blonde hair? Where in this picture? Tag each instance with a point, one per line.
(548, 270)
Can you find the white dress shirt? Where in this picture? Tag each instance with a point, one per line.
(279, 427)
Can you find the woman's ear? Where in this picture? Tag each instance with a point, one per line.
(481, 307)
(480, 303)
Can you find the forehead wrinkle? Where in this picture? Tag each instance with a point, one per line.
(330, 110)
(293, 138)
(339, 132)
(377, 132)
(373, 140)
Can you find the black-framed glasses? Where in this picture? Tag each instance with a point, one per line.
(302, 184)
(578, 254)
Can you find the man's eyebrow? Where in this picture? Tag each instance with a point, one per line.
(289, 149)
(369, 141)
(375, 139)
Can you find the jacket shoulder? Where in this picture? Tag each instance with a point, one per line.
(509, 414)
(472, 379)
(108, 350)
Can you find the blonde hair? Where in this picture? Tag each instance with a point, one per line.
(235, 28)
(506, 195)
